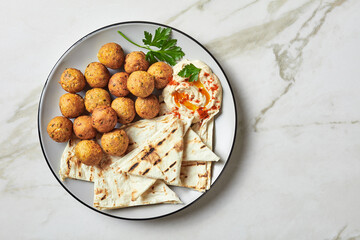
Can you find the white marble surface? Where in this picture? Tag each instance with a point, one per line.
(295, 170)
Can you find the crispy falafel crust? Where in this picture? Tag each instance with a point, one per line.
(148, 107)
(111, 55)
(136, 61)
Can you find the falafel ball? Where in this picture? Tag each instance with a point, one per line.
(104, 119)
(117, 84)
(60, 129)
(88, 152)
(83, 128)
(71, 105)
(135, 61)
(97, 75)
(115, 142)
(111, 55)
(96, 97)
(125, 109)
(141, 83)
(148, 107)
(72, 80)
(162, 73)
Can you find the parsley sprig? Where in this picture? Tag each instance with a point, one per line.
(191, 72)
(166, 51)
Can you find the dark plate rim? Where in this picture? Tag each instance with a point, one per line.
(80, 40)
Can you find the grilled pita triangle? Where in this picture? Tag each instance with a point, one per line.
(115, 190)
(199, 176)
(196, 150)
(159, 157)
(71, 167)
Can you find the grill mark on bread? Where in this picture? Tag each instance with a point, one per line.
(202, 146)
(105, 195)
(167, 153)
(161, 142)
(78, 163)
(126, 175)
(151, 156)
(117, 189)
(178, 146)
(133, 167)
(191, 163)
(92, 169)
(203, 175)
(98, 191)
(172, 164)
(146, 171)
(133, 198)
(148, 152)
(157, 161)
(68, 166)
(200, 163)
(174, 130)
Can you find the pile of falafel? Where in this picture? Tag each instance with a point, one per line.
(97, 112)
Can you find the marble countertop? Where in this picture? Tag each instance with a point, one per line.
(294, 68)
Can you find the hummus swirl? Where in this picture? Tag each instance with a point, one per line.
(200, 99)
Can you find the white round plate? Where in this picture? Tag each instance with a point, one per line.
(85, 51)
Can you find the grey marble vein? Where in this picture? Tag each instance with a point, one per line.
(340, 233)
(337, 237)
(289, 56)
(271, 105)
(274, 6)
(199, 5)
(240, 9)
(21, 143)
(27, 107)
(303, 125)
(256, 36)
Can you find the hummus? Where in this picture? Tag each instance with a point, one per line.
(199, 99)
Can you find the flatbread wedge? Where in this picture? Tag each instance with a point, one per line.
(205, 130)
(71, 167)
(159, 157)
(196, 150)
(113, 191)
(139, 131)
(195, 175)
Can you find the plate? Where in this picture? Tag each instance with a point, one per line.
(84, 51)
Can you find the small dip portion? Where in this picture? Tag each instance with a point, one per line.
(200, 99)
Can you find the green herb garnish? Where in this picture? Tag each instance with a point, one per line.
(166, 51)
(191, 72)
